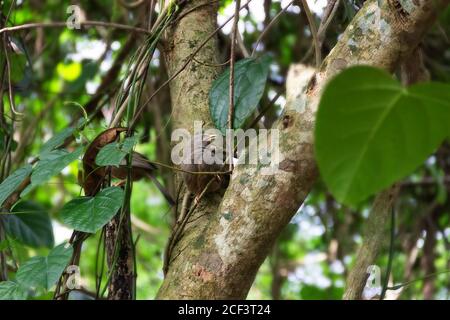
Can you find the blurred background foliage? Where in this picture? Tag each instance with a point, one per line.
(57, 70)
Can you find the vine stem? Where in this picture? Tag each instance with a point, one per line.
(313, 28)
(232, 62)
(391, 256)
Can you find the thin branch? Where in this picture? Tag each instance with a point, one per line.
(271, 23)
(232, 60)
(313, 28)
(131, 5)
(391, 256)
(241, 44)
(266, 108)
(8, 68)
(328, 15)
(61, 24)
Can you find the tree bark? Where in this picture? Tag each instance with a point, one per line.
(120, 256)
(220, 253)
(375, 237)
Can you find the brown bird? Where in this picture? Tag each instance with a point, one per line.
(196, 183)
(141, 167)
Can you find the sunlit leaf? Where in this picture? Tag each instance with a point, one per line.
(70, 71)
(371, 131)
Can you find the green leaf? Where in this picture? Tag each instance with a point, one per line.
(371, 131)
(10, 184)
(57, 140)
(113, 153)
(12, 291)
(250, 77)
(89, 214)
(30, 224)
(52, 163)
(43, 272)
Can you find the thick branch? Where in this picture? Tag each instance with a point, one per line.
(223, 250)
(375, 237)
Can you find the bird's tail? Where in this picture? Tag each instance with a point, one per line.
(161, 188)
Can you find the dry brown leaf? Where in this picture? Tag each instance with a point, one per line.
(94, 175)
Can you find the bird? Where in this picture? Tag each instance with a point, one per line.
(141, 167)
(196, 183)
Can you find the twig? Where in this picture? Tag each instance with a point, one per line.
(391, 256)
(187, 171)
(144, 226)
(131, 5)
(61, 24)
(214, 65)
(241, 44)
(328, 15)
(232, 57)
(99, 273)
(313, 28)
(266, 108)
(271, 23)
(398, 286)
(8, 68)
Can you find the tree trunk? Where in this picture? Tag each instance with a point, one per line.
(220, 253)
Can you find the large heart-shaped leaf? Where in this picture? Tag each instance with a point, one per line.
(43, 272)
(12, 291)
(250, 77)
(89, 214)
(371, 131)
(10, 184)
(30, 224)
(51, 163)
(112, 154)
